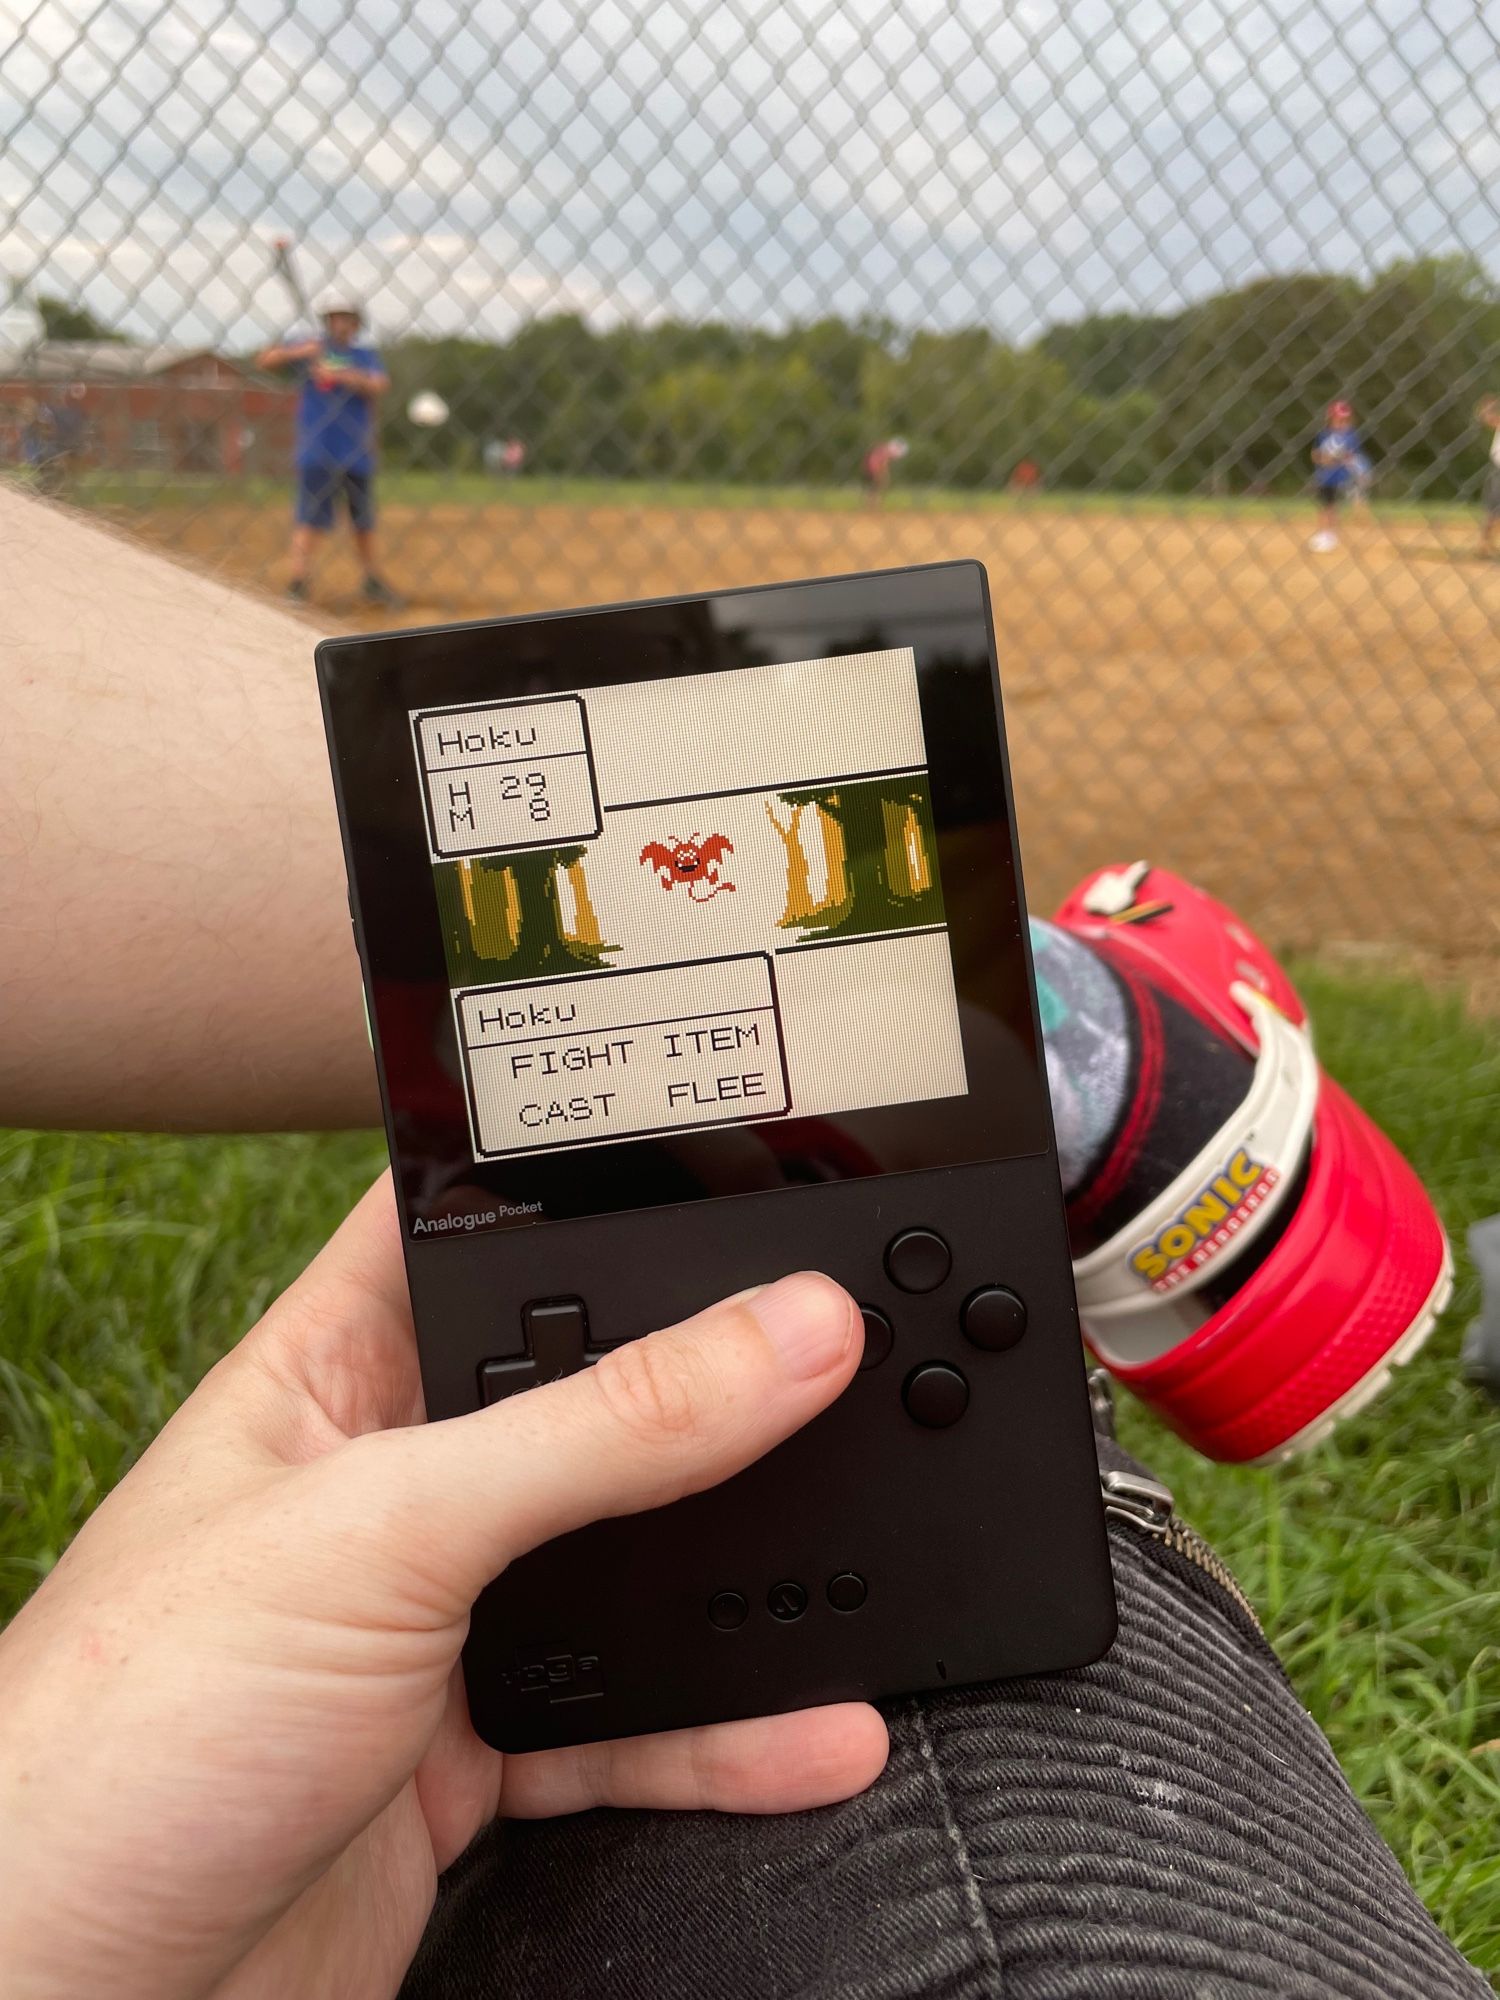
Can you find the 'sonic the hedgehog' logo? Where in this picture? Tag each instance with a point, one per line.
(1207, 1224)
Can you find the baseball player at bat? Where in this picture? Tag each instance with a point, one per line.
(342, 381)
(1341, 472)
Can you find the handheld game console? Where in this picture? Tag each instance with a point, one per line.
(694, 950)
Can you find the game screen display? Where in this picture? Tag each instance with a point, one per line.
(673, 904)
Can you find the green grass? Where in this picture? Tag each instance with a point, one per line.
(127, 1265)
(124, 492)
(1374, 1562)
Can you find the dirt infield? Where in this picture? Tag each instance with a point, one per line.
(1317, 738)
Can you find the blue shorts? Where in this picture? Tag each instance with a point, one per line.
(320, 488)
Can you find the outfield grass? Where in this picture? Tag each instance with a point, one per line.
(129, 1264)
(405, 486)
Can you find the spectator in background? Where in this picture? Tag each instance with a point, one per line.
(1488, 414)
(38, 435)
(69, 435)
(504, 457)
(876, 470)
(342, 381)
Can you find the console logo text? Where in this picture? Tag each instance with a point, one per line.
(484, 1218)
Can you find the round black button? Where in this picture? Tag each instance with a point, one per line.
(936, 1395)
(786, 1601)
(993, 1317)
(728, 1610)
(846, 1591)
(879, 1337)
(918, 1260)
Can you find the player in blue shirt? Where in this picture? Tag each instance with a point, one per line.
(335, 452)
(1341, 472)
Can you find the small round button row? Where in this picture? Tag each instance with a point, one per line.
(728, 1609)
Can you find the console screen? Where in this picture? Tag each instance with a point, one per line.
(673, 904)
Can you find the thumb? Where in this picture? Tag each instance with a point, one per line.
(649, 1422)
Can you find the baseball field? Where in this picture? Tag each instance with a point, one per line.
(1316, 737)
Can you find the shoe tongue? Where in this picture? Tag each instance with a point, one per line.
(1186, 1079)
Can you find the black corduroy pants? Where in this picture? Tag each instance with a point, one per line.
(1168, 1824)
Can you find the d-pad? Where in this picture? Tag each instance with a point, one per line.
(557, 1344)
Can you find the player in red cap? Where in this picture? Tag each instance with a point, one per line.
(1341, 472)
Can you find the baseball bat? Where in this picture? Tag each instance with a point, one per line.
(286, 270)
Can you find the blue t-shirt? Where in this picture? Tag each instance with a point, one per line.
(1345, 468)
(336, 427)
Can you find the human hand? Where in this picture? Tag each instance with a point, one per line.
(234, 1749)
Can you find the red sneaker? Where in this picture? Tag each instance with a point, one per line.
(1268, 1288)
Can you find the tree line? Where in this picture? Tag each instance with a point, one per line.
(1222, 396)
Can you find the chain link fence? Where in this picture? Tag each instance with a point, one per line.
(685, 293)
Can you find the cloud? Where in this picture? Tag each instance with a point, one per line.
(468, 164)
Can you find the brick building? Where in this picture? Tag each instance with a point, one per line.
(164, 409)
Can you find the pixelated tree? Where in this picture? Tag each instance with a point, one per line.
(889, 858)
(502, 916)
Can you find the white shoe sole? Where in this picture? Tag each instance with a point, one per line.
(1369, 1386)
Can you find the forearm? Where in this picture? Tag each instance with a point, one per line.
(282, 355)
(176, 945)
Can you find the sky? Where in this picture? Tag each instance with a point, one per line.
(466, 164)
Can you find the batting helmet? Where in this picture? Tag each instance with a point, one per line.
(336, 301)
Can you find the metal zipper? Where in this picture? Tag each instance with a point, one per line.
(1148, 1506)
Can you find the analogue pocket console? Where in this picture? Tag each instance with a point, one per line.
(694, 949)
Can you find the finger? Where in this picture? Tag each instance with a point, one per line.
(649, 1422)
(777, 1763)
